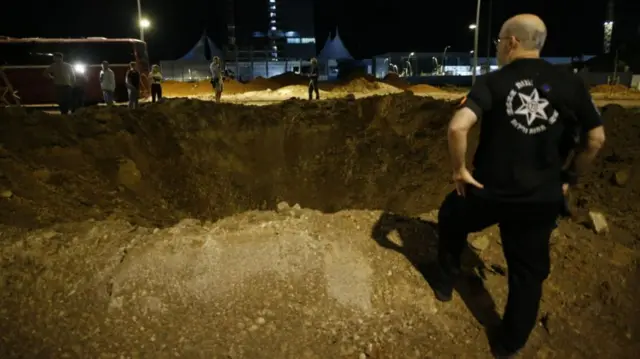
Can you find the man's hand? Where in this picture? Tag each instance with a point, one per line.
(462, 179)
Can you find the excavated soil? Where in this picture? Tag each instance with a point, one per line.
(162, 232)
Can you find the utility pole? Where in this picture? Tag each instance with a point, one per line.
(140, 21)
(475, 43)
(489, 42)
(231, 32)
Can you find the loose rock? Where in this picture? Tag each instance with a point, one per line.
(598, 222)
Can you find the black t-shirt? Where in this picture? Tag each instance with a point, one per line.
(134, 78)
(314, 74)
(525, 110)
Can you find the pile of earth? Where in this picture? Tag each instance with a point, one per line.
(423, 88)
(396, 81)
(199, 88)
(610, 88)
(362, 85)
(192, 158)
(234, 272)
(289, 78)
(260, 83)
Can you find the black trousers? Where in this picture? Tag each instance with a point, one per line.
(77, 98)
(525, 229)
(156, 92)
(64, 97)
(313, 87)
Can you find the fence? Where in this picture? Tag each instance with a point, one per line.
(603, 78)
(244, 70)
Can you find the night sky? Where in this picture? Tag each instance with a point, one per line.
(368, 27)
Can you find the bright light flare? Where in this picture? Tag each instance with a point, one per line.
(145, 23)
(472, 27)
(80, 68)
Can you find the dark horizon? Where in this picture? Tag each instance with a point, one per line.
(367, 27)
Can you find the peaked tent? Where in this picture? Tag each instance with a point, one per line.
(325, 48)
(197, 52)
(335, 49)
(339, 49)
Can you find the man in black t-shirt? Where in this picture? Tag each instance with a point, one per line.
(132, 81)
(525, 111)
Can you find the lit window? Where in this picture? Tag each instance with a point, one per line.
(273, 21)
(273, 7)
(293, 40)
(272, 14)
(308, 40)
(272, 1)
(273, 28)
(275, 48)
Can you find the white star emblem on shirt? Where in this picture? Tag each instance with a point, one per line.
(532, 107)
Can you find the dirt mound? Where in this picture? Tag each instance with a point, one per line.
(423, 88)
(291, 282)
(394, 80)
(289, 78)
(260, 83)
(73, 168)
(200, 159)
(202, 88)
(613, 185)
(610, 88)
(359, 84)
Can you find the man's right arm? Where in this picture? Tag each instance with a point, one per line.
(592, 136)
(48, 72)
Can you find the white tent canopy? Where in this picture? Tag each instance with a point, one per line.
(194, 65)
(334, 49)
(197, 52)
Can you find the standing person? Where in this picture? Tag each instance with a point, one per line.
(132, 81)
(107, 83)
(78, 90)
(156, 83)
(63, 79)
(313, 79)
(216, 77)
(518, 179)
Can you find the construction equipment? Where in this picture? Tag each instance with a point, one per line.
(7, 93)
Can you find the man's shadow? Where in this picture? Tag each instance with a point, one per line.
(419, 245)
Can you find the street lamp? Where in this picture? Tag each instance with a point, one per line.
(475, 43)
(444, 58)
(144, 24)
(473, 26)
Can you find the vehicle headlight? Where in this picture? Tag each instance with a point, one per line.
(80, 68)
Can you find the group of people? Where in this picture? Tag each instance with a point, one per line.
(217, 78)
(133, 80)
(70, 85)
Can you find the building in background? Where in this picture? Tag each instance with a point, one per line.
(285, 27)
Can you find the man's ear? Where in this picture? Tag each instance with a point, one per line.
(462, 102)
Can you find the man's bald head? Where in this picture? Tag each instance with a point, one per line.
(528, 29)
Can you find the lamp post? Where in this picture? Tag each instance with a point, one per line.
(444, 59)
(142, 23)
(475, 43)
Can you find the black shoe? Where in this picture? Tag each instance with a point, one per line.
(497, 348)
(441, 281)
(501, 353)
